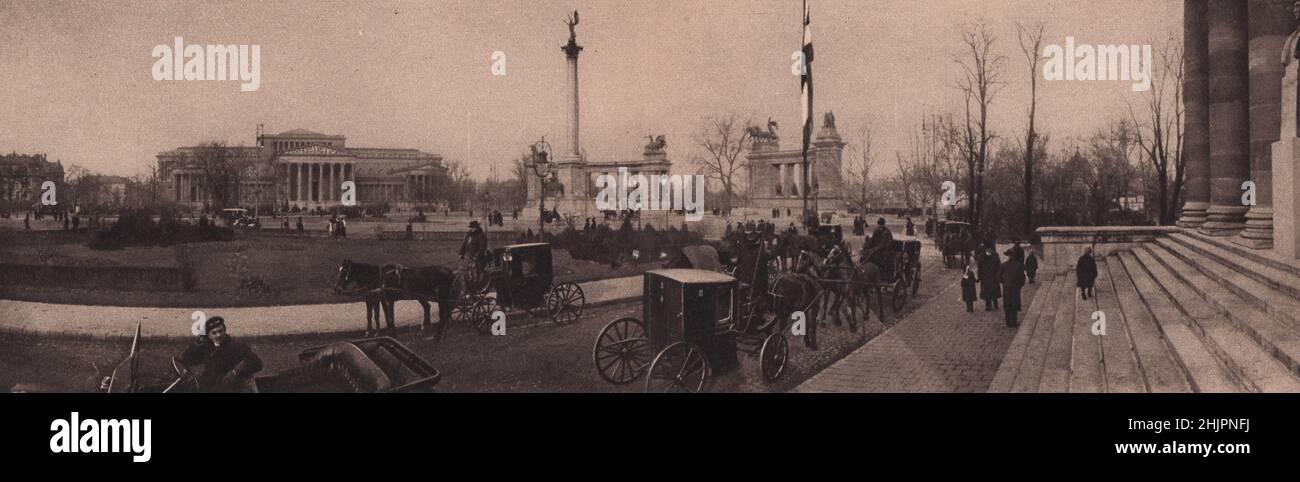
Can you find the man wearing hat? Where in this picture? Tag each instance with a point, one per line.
(1013, 279)
(881, 241)
(227, 364)
(475, 245)
(751, 263)
(990, 267)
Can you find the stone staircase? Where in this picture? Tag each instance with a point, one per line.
(1184, 313)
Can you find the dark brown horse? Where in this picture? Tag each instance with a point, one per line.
(863, 279)
(796, 292)
(789, 245)
(431, 283)
(362, 279)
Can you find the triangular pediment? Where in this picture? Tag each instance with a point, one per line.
(316, 150)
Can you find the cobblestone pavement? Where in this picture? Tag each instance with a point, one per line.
(937, 348)
(113, 321)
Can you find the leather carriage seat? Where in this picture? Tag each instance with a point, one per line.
(353, 364)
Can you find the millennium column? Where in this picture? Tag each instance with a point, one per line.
(1229, 117)
(1269, 22)
(1196, 117)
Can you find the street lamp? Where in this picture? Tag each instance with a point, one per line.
(542, 168)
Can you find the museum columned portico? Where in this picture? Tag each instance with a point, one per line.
(306, 170)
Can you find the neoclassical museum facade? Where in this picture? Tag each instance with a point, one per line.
(305, 169)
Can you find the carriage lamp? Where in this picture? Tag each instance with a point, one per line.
(507, 257)
(636, 255)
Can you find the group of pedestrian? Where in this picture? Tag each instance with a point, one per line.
(495, 218)
(998, 280)
(337, 227)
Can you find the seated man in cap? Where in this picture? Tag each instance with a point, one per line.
(475, 246)
(878, 249)
(226, 364)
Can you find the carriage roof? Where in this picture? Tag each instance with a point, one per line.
(692, 276)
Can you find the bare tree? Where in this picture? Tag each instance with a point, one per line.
(861, 192)
(723, 140)
(1161, 137)
(980, 83)
(1031, 42)
(221, 174)
(932, 158)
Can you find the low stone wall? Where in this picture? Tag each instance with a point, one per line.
(120, 278)
(1062, 245)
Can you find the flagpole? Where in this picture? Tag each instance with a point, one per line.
(803, 47)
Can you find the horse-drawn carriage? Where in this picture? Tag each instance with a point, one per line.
(515, 276)
(955, 240)
(695, 322)
(521, 276)
(370, 365)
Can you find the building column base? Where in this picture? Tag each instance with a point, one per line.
(1194, 214)
(1224, 220)
(1259, 229)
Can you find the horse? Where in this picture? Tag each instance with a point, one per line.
(792, 292)
(364, 279)
(431, 283)
(862, 277)
(789, 245)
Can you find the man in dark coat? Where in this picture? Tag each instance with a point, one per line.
(1013, 278)
(1031, 266)
(227, 364)
(1017, 251)
(475, 245)
(1086, 271)
(990, 277)
(911, 228)
(751, 264)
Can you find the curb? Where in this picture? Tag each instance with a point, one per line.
(271, 337)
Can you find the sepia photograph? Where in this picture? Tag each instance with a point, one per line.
(627, 197)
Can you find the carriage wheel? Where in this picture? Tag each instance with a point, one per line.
(565, 303)
(463, 312)
(900, 295)
(772, 357)
(681, 367)
(483, 314)
(622, 351)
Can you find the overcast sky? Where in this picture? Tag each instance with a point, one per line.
(77, 81)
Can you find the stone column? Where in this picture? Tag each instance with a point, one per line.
(1229, 117)
(780, 174)
(1269, 22)
(1196, 117)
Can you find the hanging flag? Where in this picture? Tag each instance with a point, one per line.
(805, 82)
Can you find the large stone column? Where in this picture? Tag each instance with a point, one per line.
(1229, 117)
(1269, 22)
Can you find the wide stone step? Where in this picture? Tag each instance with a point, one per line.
(1265, 297)
(1122, 371)
(1260, 350)
(1031, 369)
(1265, 257)
(1087, 369)
(1159, 367)
(1057, 353)
(1284, 280)
(1204, 371)
(1017, 351)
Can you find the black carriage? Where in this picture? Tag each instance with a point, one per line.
(522, 277)
(955, 240)
(693, 325)
(900, 270)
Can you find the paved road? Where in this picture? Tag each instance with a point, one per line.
(114, 321)
(937, 348)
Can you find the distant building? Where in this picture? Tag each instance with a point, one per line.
(103, 191)
(21, 176)
(776, 176)
(305, 169)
